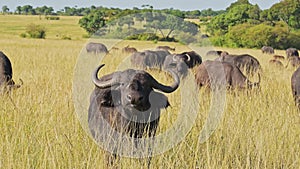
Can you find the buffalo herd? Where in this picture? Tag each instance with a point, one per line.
(129, 102)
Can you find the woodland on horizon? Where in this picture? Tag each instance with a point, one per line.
(240, 25)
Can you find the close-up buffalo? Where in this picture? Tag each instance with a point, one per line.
(127, 102)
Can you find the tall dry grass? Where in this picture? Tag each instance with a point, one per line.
(40, 128)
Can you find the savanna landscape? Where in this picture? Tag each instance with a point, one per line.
(41, 126)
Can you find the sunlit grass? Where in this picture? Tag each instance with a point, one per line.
(40, 128)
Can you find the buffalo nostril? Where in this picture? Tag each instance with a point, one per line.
(141, 98)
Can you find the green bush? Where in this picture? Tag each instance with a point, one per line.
(52, 17)
(23, 35)
(36, 31)
(143, 36)
(246, 35)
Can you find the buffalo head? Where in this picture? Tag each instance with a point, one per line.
(132, 90)
(177, 63)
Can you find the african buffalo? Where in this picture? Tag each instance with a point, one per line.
(295, 83)
(214, 53)
(194, 58)
(294, 61)
(6, 81)
(267, 50)
(149, 58)
(93, 47)
(125, 103)
(128, 49)
(291, 52)
(211, 74)
(177, 63)
(181, 62)
(165, 48)
(244, 61)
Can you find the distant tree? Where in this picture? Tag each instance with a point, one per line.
(5, 9)
(48, 11)
(27, 9)
(167, 24)
(192, 14)
(287, 11)
(210, 12)
(238, 13)
(44, 10)
(19, 10)
(126, 20)
(237, 3)
(92, 22)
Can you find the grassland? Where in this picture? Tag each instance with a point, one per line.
(40, 128)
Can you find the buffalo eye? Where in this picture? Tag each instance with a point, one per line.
(129, 97)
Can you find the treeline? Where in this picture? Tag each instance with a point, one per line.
(246, 25)
(153, 26)
(83, 11)
(242, 24)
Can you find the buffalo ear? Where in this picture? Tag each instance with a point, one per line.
(109, 98)
(158, 100)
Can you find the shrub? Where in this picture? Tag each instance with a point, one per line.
(52, 17)
(247, 35)
(23, 35)
(36, 31)
(143, 36)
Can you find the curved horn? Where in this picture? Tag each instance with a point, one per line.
(189, 57)
(98, 82)
(175, 59)
(167, 89)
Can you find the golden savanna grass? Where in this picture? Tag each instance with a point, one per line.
(40, 128)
